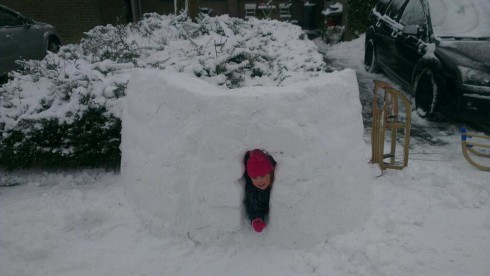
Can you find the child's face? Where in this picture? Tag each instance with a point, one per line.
(262, 182)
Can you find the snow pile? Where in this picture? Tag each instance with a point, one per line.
(183, 142)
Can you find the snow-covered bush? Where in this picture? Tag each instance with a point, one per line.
(90, 140)
(358, 15)
(60, 97)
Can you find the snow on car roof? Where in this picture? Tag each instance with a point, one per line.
(460, 18)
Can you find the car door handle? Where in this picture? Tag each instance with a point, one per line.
(8, 36)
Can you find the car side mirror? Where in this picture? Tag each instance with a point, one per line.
(411, 30)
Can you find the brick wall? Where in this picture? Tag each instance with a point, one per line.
(71, 17)
(235, 8)
(218, 7)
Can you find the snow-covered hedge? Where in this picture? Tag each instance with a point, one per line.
(51, 109)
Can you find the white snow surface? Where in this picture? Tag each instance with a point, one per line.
(466, 18)
(431, 218)
(183, 142)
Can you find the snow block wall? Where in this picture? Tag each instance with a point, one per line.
(183, 142)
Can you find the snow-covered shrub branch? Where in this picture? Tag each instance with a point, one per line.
(110, 43)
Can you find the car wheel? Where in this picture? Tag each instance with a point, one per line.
(370, 58)
(428, 96)
(53, 44)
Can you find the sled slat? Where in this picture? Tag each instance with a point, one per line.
(478, 145)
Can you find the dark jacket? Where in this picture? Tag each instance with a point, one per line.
(256, 200)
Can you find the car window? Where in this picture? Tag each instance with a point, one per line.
(395, 9)
(382, 5)
(414, 14)
(9, 19)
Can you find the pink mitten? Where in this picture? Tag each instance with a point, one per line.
(258, 225)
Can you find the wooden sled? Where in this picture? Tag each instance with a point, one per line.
(470, 147)
(388, 119)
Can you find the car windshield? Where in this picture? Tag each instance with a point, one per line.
(460, 18)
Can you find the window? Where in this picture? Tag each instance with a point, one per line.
(395, 9)
(414, 14)
(9, 19)
(382, 5)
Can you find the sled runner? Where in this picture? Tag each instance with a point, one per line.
(391, 121)
(471, 148)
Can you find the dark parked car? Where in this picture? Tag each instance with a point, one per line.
(23, 38)
(439, 50)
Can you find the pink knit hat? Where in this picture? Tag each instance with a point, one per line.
(258, 164)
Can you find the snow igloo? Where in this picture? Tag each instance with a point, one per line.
(183, 143)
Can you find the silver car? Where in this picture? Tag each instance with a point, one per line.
(23, 38)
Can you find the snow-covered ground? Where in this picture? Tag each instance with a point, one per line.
(432, 218)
